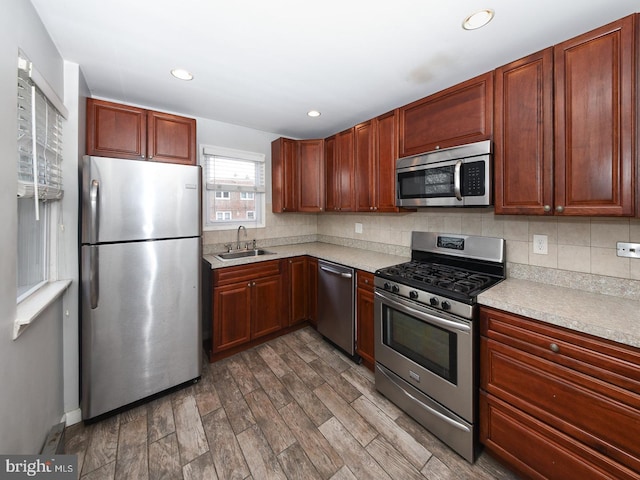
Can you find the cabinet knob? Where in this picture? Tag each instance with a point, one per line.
(547, 208)
(554, 348)
(559, 209)
(249, 284)
(437, 147)
(366, 280)
(143, 156)
(150, 157)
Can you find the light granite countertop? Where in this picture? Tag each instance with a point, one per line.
(366, 260)
(605, 316)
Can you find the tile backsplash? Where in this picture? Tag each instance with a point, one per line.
(577, 244)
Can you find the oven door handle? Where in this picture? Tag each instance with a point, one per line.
(456, 180)
(432, 411)
(427, 317)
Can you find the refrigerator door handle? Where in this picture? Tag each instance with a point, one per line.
(94, 278)
(93, 199)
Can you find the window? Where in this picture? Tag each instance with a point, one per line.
(234, 190)
(39, 176)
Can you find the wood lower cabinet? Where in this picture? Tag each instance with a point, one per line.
(455, 116)
(364, 318)
(298, 280)
(565, 127)
(123, 131)
(248, 303)
(312, 286)
(558, 404)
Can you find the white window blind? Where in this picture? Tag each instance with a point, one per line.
(39, 141)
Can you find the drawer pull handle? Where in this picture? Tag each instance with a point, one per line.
(554, 348)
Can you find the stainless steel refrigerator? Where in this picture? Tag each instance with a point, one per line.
(140, 280)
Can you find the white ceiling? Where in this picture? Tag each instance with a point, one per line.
(264, 63)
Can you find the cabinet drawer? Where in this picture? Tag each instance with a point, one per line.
(364, 280)
(614, 363)
(539, 451)
(240, 273)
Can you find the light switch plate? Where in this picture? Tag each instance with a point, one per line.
(358, 228)
(631, 250)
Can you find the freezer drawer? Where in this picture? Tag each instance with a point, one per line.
(141, 331)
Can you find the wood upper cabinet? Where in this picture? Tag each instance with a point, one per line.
(523, 135)
(365, 338)
(595, 92)
(455, 116)
(565, 128)
(365, 167)
(283, 175)
(123, 131)
(558, 404)
(340, 171)
(310, 184)
(386, 152)
(297, 175)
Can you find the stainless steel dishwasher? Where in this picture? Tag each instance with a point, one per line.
(336, 319)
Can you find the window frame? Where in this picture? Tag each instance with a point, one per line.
(259, 191)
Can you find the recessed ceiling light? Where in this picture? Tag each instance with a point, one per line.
(478, 19)
(182, 74)
(313, 113)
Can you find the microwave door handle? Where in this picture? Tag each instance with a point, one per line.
(424, 316)
(456, 180)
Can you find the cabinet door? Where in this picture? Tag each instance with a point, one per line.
(312, 289)
(386, 140)
(365, 168)
(298, 289)
(331, 193)
(364, 318)
(523, 160)
(283, 175)
(595, 109)
(455, 116)
(115, 130)
(171, 138)
(310, 184)
(232, 315)
(268, 313)
(345, 150)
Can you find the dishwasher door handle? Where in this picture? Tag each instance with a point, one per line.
(336, 272)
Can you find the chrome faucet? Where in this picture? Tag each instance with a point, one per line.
(241, 227)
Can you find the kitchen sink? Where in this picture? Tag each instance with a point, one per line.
(233, 255)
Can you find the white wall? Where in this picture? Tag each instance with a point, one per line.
(31, 396)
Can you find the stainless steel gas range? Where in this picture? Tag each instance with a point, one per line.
(426, 332)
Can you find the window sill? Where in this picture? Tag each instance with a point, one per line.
(31, 308)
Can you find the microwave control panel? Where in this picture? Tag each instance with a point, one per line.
(473, 181)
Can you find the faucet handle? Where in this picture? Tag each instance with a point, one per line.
(254, 244)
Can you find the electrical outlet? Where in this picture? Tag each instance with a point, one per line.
(631, 250)
(358, 228)
(540, 244)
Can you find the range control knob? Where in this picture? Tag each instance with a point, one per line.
(395, 288)
(387, 286)
(446, 305)
(433, 301)
(413, 294)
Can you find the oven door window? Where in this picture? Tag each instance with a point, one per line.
(428, 345)
(432, 182)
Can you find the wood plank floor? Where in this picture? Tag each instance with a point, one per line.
(292, 408)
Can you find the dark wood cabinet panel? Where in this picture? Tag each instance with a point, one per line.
(595, 84)
(523, 142)
(312, 288)
(340, 172)
(365, 167)
(232, 316)
(267, 312)
(115, 130)
(171, 138)
(583, 392)
(455, 116)
(364, 318)
(386, 152)
(298, 289)
(283, 175)
(331, 192)
(123, 131)
(310, 184)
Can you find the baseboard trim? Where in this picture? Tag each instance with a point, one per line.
(72, 417)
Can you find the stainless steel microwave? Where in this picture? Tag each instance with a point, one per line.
(450, 177)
